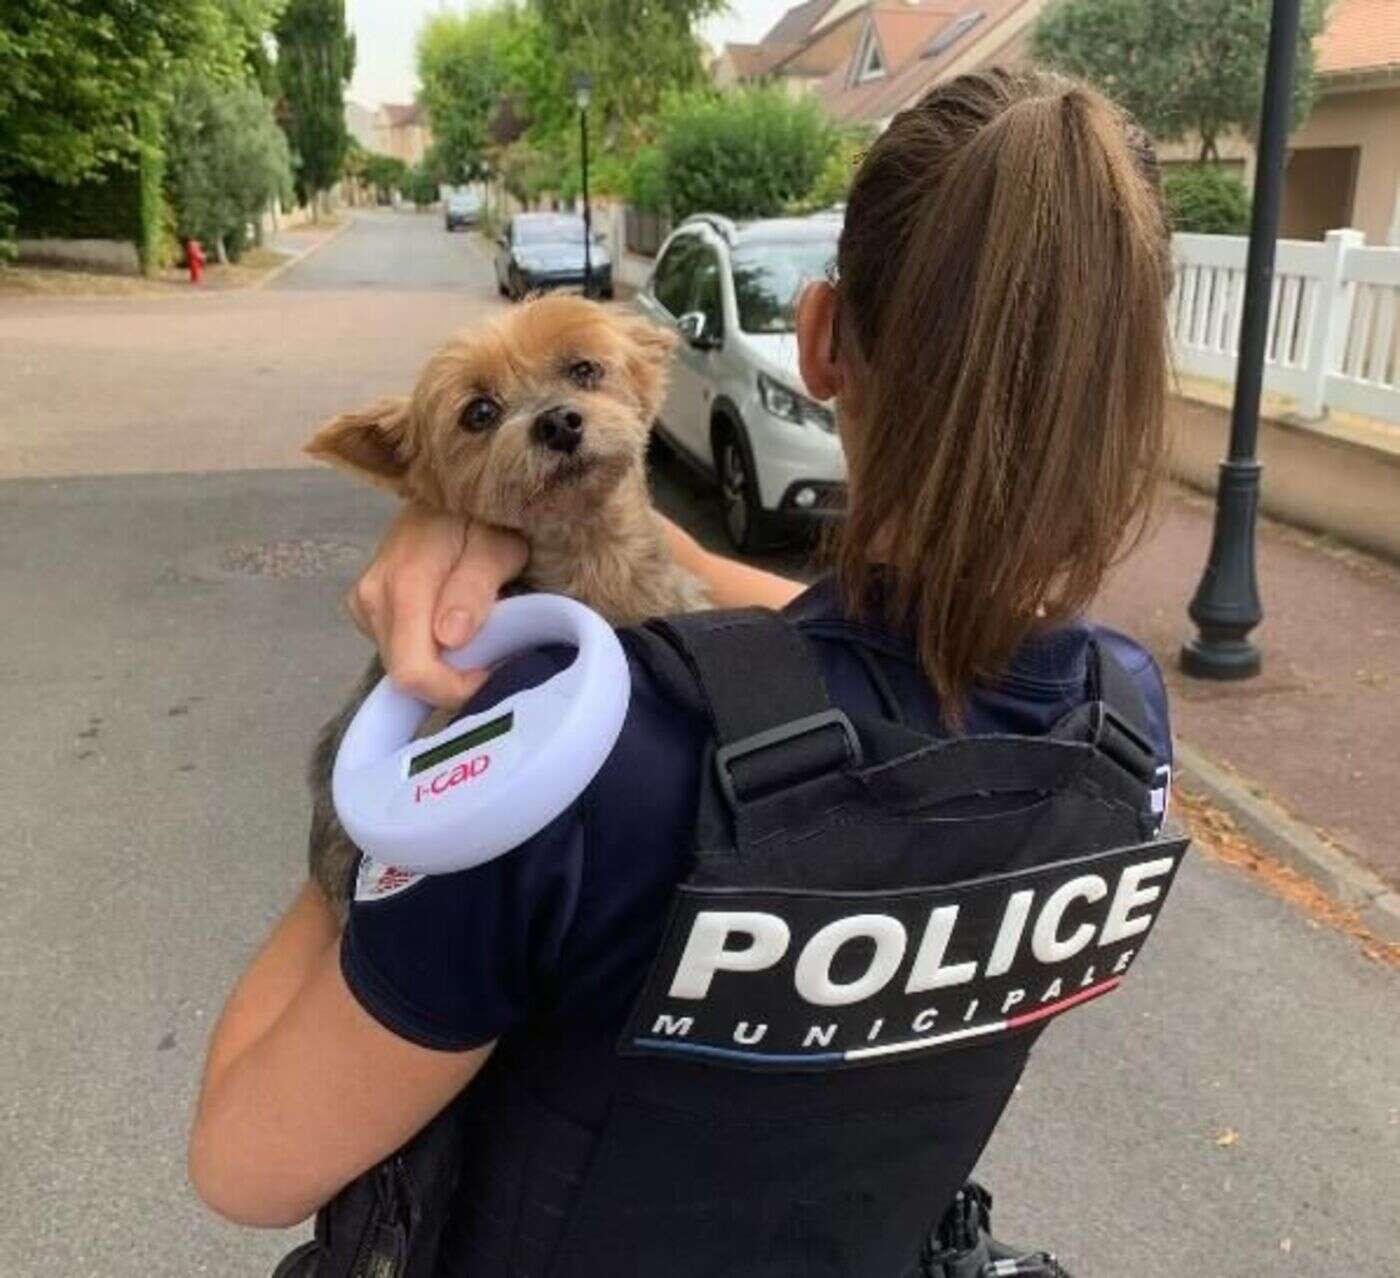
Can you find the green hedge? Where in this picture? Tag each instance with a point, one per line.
(155, 221)
(8, 215)
(1207, 199)
(107, 209)
(751, 153)
(126, 203)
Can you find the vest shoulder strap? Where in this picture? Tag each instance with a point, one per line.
(755, 679)
(1120, 721)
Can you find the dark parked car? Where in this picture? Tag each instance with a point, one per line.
(545, 250)
(463, 208)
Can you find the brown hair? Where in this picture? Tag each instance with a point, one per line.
(1002, 288)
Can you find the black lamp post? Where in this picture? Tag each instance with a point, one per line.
(583, 93)
(1226, 604)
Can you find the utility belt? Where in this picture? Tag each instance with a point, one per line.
(388, 1224)
(876, 927)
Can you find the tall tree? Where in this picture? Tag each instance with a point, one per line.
(1192, 68)
(315, 61)
(76, 78)
(635, 50)
(463, 66)
(227, 161)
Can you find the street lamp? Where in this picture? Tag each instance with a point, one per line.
(583, 94)
(1226, 604)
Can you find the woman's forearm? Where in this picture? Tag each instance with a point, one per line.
(275, 977)
(731, 584)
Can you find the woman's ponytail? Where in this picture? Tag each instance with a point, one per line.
(1003, 277)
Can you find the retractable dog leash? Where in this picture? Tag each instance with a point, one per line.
(487, 782)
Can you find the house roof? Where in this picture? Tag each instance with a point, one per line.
(753, 60)
(909, 39)
(1360, 35)
(904, 30)
(797, 23)
(827, 49)
(744, 58)
(401, 114)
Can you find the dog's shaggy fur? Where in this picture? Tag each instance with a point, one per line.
(537, 422)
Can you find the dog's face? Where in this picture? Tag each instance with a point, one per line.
(540, 413)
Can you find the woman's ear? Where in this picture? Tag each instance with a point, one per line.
(372, 442)
(817, 348)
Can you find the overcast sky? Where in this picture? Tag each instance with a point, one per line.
(385, 32)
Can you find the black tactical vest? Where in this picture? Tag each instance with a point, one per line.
(876, 928)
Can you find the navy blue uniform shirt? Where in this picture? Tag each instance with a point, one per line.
(565, 926)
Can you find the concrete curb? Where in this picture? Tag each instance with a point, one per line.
(286, 266)
(1293, 843)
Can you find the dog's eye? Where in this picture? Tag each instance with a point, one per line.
(481, 413)
(585, 373)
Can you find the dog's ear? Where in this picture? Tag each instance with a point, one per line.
(372, 442)
(648, 360)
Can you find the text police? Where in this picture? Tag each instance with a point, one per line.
(787, 978)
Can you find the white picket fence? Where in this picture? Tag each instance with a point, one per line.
(1334, 319)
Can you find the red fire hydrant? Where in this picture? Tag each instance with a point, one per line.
(194, 256)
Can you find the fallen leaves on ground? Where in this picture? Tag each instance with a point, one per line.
(1219, 837)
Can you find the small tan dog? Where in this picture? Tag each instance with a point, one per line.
(537, 421)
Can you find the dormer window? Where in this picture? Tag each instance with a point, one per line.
(951, 34)
(869, 61)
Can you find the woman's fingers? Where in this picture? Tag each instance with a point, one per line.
(464, 603)
(431, 585)
(361, 603)
(490, 558)
(411, 654)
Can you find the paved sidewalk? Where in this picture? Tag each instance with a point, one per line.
(1318, 731)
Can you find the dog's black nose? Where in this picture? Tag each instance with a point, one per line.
(560, 429)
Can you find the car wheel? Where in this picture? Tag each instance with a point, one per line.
(743, 513)
(517, 287)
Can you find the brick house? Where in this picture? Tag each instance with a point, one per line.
(401, 130)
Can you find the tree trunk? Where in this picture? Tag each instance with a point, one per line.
(220, 250)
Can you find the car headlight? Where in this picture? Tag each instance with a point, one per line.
(792, 407)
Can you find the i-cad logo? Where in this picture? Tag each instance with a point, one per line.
(467, 770)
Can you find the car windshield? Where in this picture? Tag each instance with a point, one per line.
(549, 230)
(768, 277)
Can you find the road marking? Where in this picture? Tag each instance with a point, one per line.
(267, 279)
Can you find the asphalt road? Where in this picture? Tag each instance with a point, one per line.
(168, 644)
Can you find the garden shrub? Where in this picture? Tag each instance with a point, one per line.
(838, 170)
(646, 181)
(1207, 199)
(9, 218)
(750, 153)
(421, 186)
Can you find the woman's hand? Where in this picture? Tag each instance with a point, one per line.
(430, 586)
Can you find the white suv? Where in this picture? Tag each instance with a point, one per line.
(736, 407)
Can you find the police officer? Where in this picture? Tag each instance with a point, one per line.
(754, 1003)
